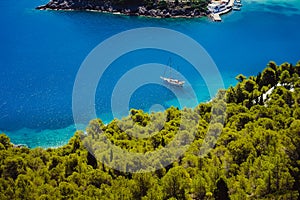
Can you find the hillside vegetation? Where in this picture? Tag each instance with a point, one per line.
(256, 156)
(150, 8)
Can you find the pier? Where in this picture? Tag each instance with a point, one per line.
(216, 17)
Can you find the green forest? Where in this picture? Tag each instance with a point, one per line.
(255, 150)
(162, 4)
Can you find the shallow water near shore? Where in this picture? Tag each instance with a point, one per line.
(41, 52)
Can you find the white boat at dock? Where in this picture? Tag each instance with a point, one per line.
(217, 9)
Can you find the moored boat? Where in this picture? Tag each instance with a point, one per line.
(237, 4)
(170, 80)
(236, 8)
(173, 81)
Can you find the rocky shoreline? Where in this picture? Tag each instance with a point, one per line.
(171, 11)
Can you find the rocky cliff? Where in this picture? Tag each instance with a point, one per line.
(150, 8)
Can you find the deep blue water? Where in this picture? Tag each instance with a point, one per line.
(41, 52)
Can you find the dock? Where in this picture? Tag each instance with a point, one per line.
(216, 17)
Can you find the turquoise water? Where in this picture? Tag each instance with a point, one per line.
(41, 52)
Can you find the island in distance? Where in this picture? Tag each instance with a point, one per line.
(151, 8)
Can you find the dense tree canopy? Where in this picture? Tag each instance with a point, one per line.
(255, 154)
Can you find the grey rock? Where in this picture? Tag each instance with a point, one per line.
(153, 12)
(142, 10)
